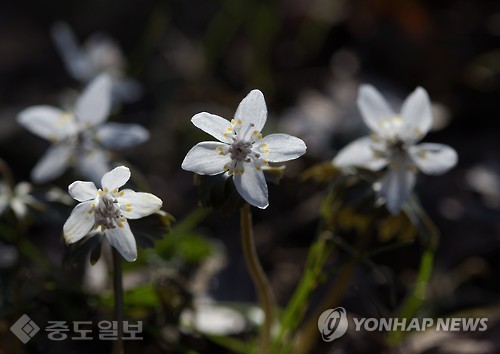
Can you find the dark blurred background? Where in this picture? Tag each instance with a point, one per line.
(308, 57)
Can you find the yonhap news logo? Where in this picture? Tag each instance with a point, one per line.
(333, 324)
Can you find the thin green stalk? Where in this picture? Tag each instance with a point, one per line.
(414, 300)
(118, 294)
(259, 279)
(306, 337)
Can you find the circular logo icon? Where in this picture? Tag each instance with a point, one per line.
(332, 324)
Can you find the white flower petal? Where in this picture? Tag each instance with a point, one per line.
(253, 113)
(374, 108)
(417, 115)
(205, 159)
(282, 147)
(360, 154)
(397, 185)
(118, 136)
(123, 240)
(75, 60)
(48, 122)
(214, 125)
(82, 191)
(93, 106)
(93, 164)
(433, 159)
(79, 223)
(252, 186)
(115, 178)
(136, 205)
(19, 208)
(53, 163)
(22, 189)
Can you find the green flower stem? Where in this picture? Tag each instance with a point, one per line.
(118, 294)
(307, 336)
(259, 279)
(414, 301)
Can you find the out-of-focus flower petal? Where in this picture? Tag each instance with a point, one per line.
(214, 125)
(76, 61)
(397, 185)
(374, 108)
(123, 240)
(282, 147)
(360, 154)
(252, 112)
(205, 159)
(79, 223)
(417, 115)
(115, 178)
(118, 136)
(251, 184)
(48, 122)
(433, 159)
(136, 205)
(19, 208)
(93, 163)
(93, 105)
(82, 191)
(53, 163)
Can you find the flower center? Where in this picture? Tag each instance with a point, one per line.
(107, 211)
(241, 150)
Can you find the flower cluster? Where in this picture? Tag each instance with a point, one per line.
(80, 135)
(393, 143)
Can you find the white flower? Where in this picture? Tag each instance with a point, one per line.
(108, 209)
(18, 199)
(242, 150)
(80, 136)
(393, 144)
(100, 54)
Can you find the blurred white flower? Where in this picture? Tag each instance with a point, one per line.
(216, 319)
(242, 150)
(17, 199)
(99, 54)
(108, 209)
(80, 136)
(393, 144)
